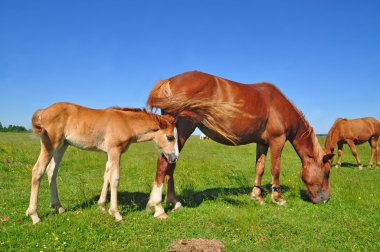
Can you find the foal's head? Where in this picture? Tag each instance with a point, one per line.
(167, 138)
(315, 175)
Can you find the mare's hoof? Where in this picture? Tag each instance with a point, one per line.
(360, 167)
(337, 166)
(257, 199)
(60, 210)
(177, 206)
(162, 216)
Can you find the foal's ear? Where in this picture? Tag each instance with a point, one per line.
(165, 120)
(328, 157)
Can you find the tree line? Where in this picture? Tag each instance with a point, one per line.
(12, 128)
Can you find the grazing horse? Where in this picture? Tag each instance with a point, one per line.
(234, 114)
(109, 130)
(353, 132)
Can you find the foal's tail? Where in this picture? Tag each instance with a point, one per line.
(36, 122)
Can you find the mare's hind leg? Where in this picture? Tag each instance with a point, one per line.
(185, 127)
(355, 153)
(340, 152)
(276, 146)
(374, 150)
(52, 171)
(257, 191)
(37, 173)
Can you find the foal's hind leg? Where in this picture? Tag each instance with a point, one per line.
(52, 171)
(257, 191)
(276, 147)
(340, 152)
(37, 173)
(355, 153)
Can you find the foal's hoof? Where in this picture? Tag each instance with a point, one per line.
(337, 166)
(117, 216)
(360, 167)
(280, 202)
(162, 216)
(61, 210)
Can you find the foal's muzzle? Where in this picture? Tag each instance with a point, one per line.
(171, 158)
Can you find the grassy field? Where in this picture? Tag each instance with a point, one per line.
(213, 182)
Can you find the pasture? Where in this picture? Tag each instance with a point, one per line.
(213, 182)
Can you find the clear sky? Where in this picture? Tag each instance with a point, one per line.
(324, 55)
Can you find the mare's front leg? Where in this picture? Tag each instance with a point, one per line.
(276, 146)
(113, 163)
(340, 152)
(52, 172)
(257, 191)
(355, 153)
(185, 127)
(37, 173)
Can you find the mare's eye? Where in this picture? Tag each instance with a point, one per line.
(170, 138)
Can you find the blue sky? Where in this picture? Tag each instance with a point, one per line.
(324, 55)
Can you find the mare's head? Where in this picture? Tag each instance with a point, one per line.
(315, 175)
(166, 138)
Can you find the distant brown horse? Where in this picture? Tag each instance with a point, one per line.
(234, 114)
(109, 130)
(353, 132)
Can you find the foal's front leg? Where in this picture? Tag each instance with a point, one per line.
(103, 194)
(114, 176)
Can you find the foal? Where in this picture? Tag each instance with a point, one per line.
(109, 130)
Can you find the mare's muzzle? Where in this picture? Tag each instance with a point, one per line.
(321, 197)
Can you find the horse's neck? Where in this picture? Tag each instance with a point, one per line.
(306, 143)
(331, 140)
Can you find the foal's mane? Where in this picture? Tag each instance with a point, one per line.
(129, 109)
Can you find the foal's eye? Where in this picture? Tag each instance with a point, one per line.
(170, 138)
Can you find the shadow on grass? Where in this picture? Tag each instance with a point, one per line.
(136, 201)
(192, 198)
(349, 165)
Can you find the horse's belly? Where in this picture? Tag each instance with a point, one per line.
(245, 137)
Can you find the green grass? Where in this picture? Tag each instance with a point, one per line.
(213, 182)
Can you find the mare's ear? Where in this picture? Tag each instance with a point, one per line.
(328, 157)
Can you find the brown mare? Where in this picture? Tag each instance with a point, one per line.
(353, 132)
(234, 114)
(109, 130)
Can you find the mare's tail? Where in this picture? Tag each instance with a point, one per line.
(211, 112)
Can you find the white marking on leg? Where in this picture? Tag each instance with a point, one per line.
(156, 194)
